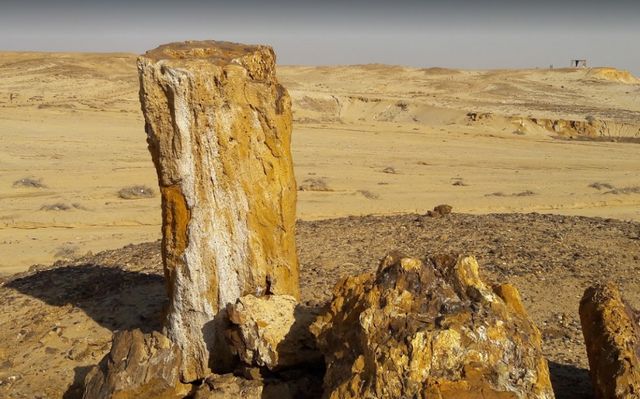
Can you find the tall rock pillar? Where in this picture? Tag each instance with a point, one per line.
(219, 132)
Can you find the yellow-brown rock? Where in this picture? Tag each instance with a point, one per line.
(272, 331)
(139, 366)
(612, 335)
(219, 131)
(428, 330)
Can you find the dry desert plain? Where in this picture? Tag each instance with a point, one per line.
(380, 140)
(386, 141)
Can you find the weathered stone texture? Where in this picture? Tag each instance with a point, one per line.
(140, 366)
(229, 386)
(612, 335)
(430, 330)
(219, 130)
(272, 331)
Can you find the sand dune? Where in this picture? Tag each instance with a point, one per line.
(367, 139)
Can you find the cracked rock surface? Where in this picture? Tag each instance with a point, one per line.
(219, 132)
(272, 331)
(612, 336)
(138, 366)
(430, 329)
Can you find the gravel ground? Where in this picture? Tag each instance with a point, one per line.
(57, 320)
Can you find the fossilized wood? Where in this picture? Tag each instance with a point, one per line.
(137, 366)
(611, 332)
(430, 329)
(272, 331)
(219, 130)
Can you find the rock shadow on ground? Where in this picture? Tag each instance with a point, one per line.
(116, 299)
(570, 382)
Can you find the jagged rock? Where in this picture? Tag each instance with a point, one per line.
(272, 331)
(141, 366)
(219, 131)
(611, 332)
(429, 330)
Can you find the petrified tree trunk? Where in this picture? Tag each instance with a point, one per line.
(430, 329)
(219, 130)
(611, 330)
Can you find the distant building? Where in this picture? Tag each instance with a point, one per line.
(578, 64)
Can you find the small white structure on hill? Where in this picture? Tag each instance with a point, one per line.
(578, 64)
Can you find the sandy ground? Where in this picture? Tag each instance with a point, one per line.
(373, 139)
(57, 321)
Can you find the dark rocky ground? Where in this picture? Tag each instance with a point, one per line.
(57, 321)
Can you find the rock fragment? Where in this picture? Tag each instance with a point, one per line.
(218, 126)
(314, 184)
(429, 330)
(440, 210)
(138, 366)
(272, 331)
(611, 332)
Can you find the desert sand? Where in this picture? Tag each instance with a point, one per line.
(370, 139)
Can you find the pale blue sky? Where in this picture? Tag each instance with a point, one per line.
(455, 33)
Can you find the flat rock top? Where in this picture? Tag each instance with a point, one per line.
(219, 53)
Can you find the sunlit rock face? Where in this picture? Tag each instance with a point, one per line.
(219, 131)
(137, 366)
(611, 330)
(430, 329)
(272, 331)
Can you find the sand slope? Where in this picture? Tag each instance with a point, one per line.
(373, 138)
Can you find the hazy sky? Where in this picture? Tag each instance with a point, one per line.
(457, 33)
